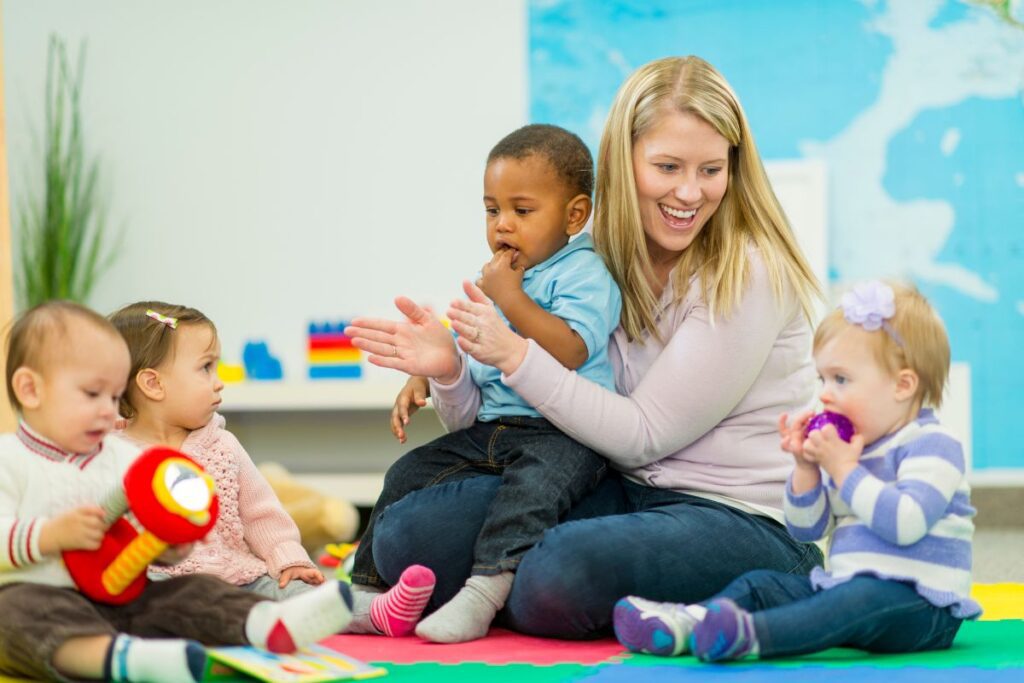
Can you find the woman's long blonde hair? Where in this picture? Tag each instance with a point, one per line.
(749, 211)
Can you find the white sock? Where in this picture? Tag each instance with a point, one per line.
(697, 611)
(284, 627)
(144, 660)
(469, 614)
(362, 598)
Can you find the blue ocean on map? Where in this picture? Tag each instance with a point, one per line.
(916, 109)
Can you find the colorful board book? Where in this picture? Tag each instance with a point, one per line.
(330, 353)
(314, 664)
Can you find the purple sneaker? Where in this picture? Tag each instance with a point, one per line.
(656, 628)
(727, 632)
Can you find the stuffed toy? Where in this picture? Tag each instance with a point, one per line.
(321, 519)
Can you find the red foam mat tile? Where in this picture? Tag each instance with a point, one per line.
(499, 647)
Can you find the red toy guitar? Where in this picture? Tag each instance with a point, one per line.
(174, 501)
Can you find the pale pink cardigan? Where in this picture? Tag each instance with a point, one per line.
(254, 535)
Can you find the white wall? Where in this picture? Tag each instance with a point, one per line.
(279, 161)
(275, 162)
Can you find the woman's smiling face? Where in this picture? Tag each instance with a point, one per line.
(681, 166)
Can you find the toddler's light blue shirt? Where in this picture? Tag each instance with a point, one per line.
(574, 285)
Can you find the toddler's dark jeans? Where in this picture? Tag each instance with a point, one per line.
(543, 474)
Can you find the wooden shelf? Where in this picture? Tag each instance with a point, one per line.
(317, 395)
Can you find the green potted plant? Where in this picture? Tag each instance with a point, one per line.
(61, 226)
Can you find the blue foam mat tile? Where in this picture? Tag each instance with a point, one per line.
(808, 674)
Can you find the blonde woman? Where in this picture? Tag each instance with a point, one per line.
(713, 343)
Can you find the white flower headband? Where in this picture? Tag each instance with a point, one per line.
(870, 305)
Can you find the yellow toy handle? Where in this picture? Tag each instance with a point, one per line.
(131, 562)
(136, 557)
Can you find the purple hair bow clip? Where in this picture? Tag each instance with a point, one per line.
(869, 305)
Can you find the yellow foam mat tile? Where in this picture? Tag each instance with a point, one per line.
(1000, 600)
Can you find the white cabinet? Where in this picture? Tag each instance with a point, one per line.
(333, 435)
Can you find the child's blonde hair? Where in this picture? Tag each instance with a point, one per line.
(30, 341)
(150, 341)
(915, 339)
(749, 212)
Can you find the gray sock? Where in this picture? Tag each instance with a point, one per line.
(469, 614)
(362, 597)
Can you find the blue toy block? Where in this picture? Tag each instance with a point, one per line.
(259, 364)
(335, 371)
(328, 328)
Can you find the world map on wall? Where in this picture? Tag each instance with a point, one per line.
(916, 107)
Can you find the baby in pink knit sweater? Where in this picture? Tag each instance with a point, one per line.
(171, 399)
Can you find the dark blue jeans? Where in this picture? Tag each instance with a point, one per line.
(623, 539)
(543, 473)
(791, 618)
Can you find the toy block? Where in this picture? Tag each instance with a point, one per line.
(334, 356)
(230, 373)
(328, 328)
(330, 341)
(259, 364)
(335, 371)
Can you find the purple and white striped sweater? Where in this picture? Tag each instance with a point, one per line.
(903, 514)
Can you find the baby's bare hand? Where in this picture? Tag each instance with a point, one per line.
(411, 398)
(792, 434)
(174, 554)
(500, 276)
(81, 528)
(310, 575)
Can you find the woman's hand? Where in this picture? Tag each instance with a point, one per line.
(411, 398)
(420, 345)
(482, 332)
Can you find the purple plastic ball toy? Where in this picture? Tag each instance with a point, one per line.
(843, 426)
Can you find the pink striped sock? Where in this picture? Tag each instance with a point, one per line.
(396, 612)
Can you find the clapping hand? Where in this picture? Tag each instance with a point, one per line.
(482, 332)
(418, 345)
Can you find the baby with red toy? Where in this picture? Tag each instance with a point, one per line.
(67, 368)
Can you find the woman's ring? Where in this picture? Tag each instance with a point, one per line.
(394, 351)
(476, 337)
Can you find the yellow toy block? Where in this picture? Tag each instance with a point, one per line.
(230, 374)
(335, 356)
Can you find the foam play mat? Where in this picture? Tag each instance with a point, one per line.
(991, 649)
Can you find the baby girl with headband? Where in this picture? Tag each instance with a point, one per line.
(172, 398)
(895, 498)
